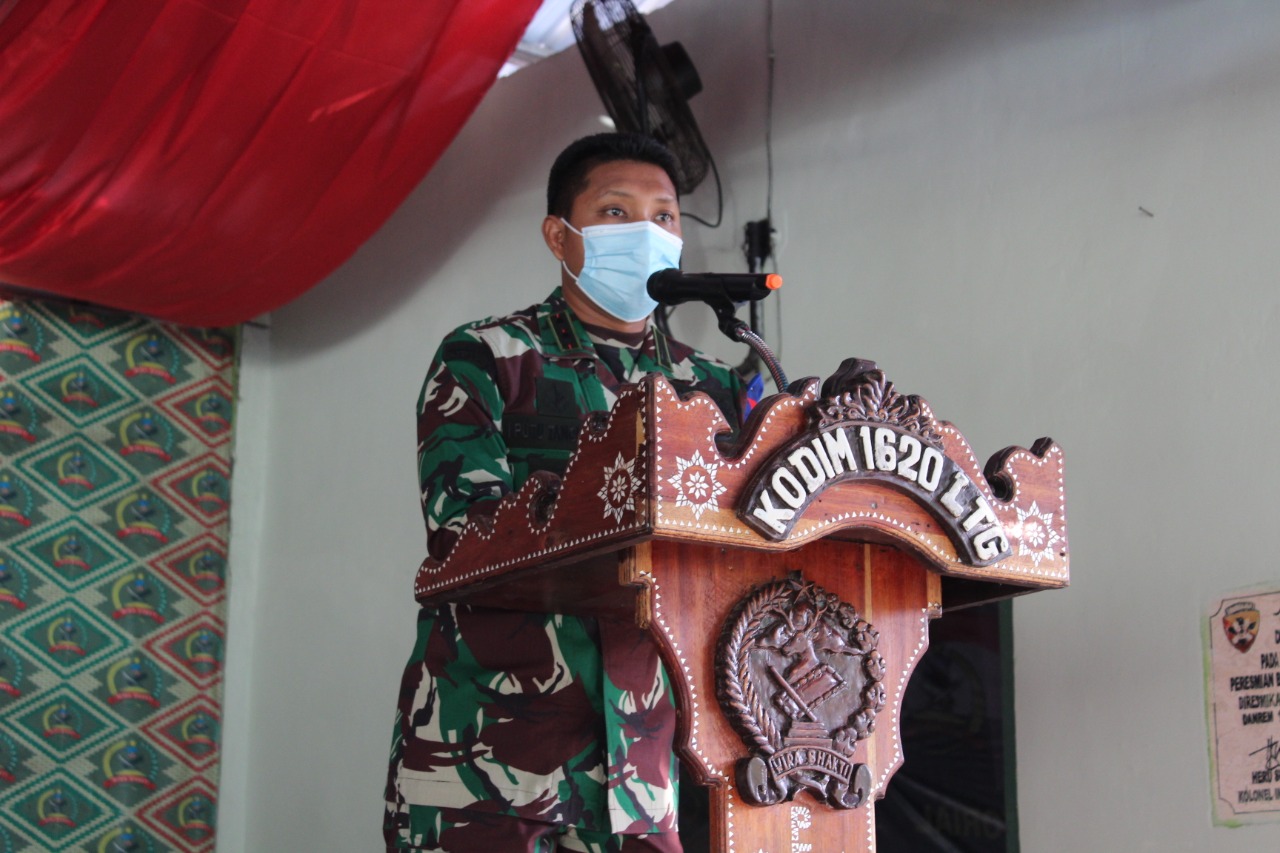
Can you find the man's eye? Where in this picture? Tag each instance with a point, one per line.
(615, 211)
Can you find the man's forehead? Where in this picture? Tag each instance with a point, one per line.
(629, 178)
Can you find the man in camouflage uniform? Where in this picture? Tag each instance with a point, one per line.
(532, 731)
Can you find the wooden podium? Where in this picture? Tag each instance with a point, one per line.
(788, 578)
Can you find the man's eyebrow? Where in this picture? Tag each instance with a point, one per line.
(665, 199)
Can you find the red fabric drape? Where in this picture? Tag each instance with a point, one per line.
(204, 161)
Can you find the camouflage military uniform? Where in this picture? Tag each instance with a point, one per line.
(550, 718)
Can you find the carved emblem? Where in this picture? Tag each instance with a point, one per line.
(799, 677)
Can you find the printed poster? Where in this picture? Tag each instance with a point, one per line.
(1242, 653)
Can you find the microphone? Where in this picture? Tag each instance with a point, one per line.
(672, 287)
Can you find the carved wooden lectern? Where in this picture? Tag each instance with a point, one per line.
(788, 578)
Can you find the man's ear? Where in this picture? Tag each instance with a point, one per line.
(553, 232)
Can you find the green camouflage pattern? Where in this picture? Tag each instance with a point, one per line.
(550, 718)
(459, 830)
(505, 397)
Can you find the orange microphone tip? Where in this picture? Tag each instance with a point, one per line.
(773, 281)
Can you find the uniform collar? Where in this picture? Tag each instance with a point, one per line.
(563, 334)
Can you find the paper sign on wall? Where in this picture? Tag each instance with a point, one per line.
(1242, 644)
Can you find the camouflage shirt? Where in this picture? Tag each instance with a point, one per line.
(507, 396)
(548, 717)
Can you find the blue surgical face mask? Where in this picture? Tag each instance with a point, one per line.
(617, 262)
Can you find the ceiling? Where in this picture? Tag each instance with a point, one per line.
(551, 32)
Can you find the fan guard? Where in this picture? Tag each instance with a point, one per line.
(645, 87)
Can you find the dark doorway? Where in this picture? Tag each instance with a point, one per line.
(956, 792)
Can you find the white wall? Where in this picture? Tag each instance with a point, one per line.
(959, 185)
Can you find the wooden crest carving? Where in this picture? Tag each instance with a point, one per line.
(859, 391)
(799, 676)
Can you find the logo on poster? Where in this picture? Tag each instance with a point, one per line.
(1240, 623)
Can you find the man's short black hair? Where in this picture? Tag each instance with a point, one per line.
(569, 172)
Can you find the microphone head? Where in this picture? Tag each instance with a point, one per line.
(672, 286)
(654, 286)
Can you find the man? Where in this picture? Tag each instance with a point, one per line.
(535, 731)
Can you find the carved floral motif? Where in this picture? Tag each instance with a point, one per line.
(697, 484)
(1037, 537)
(619, 490)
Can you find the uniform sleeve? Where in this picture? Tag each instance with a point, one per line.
(723, 384)
(462, 456)
(738, 391)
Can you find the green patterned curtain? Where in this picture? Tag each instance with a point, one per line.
(115, 468)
